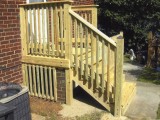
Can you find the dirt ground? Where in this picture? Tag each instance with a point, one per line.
(48, 109)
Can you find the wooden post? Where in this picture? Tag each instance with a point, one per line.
(23, 39)
(68, 53)
(150, 49)
(94, 15)
(119, 75)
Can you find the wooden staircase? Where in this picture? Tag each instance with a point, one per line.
(61, 38)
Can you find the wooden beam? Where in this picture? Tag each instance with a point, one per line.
(46, 61)
(68, 53)
(119, 76)
(47, 3)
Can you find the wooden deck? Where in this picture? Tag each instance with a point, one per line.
(57, 35)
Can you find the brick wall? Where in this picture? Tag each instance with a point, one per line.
(61, 85)
(10, 46)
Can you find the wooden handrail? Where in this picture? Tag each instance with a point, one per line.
(84, 6)
(46, 3)
(106, 38)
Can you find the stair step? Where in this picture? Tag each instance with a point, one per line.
(128, 92)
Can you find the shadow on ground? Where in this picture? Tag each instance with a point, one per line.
(80, 95)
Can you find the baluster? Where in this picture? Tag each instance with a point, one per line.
(81, 49)
(97, 61)
(48, 30)
(55, 84)
(27, 31)
(31, 32)
(42, 81)
(52, 29)
(38, 80)
(92, 59)
(50, 83)
(39, 32)
(103, 65)
(35, 30)
(61, 29)
(43, 30)
(34, 81)
(46, 82)
(86, 56)
(76, 46)
(108, 72)
(30, 79)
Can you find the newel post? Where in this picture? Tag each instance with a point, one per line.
(68, 53)
(119, 75)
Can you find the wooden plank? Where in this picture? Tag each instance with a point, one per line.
(48, 30)
(61, 28)
(92, 60)
(38, 80)
(58, 31)
(30, 80)
(35, 30)
(81, 50)
(46, 82)
(68, 55)
(23, 29)
(94, 16)
(42, 81)
(103, 65)
(55, 83)
(119, 77)
(26, 75)
(83, 7)
(31, 31)
(39, 31)
(108, 72)
(50, 83)
(43, 30)
(76, 45)
(86, 56)
(52, 29)
(47, 61)
(71, 40)
(47, 3)
(27, 31)
(34, 81)
(97, 61)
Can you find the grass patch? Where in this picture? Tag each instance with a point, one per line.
(150, 75)
(92, 116)
(158, 112)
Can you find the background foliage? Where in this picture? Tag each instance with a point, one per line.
(136, 18)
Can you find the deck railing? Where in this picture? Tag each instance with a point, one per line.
(54, 36)
(100, 51)
(88, 12)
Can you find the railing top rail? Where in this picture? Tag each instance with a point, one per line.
(93, 28)
(46, 3)
(84, 6)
